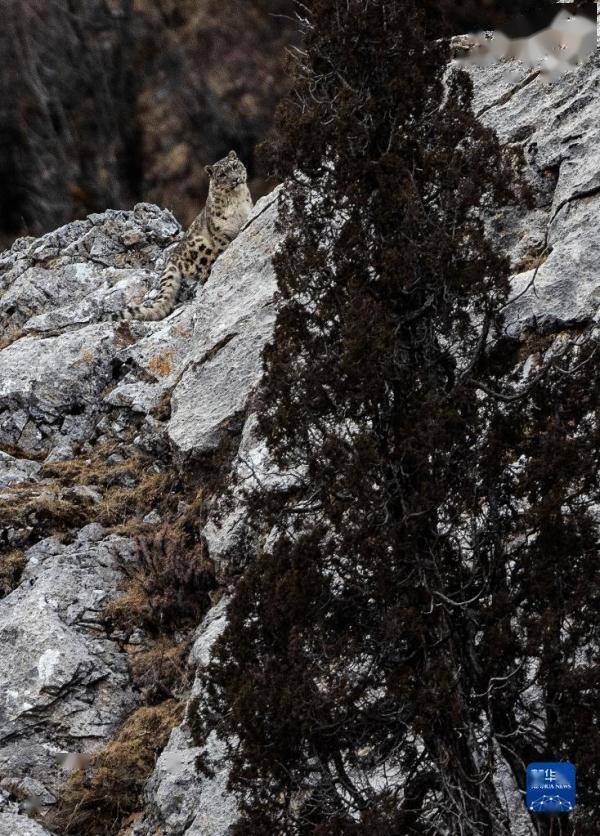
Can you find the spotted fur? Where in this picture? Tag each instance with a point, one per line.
(227, 208)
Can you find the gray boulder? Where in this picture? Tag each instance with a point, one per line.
(66, 685)
(15, 471)
(61, 354)
(50, 388)
(57, 273)
(14, 824)
(234, 319)
(557, 125)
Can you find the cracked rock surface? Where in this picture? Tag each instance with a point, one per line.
(557, 125)
(65, 685)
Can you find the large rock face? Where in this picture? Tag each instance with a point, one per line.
(557, 125)
(182, 389)
(71, 382)
(66, 685)
(234, 320)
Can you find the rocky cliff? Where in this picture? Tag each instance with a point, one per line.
(124, 447)
(95, 420)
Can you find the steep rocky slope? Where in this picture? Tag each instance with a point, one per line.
(110, 432)
(73, 386)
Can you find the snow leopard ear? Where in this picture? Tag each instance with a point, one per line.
(209, 170)
(232, 155)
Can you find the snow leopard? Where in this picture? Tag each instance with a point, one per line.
(226, 210)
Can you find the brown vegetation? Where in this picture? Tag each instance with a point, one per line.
(11, 569)
(98, 800)
(161, 672)
(13, 334)
(38, 511)
(167, 587)
(122, 504)
(161, 364)
(20, 453)
(130, 488)
(531, 261)
(95, 470)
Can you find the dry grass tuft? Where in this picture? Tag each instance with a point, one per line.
(12, 336)
(168, 588)
(11, 569)
(121, 504)
(38, 511)
(161, 672)
(98, 800)
(531, 261)
(129, 490)
(20, 453)
(96, 470)
(534, 343)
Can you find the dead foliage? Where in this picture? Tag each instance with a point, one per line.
(99, 800)
(11, 569)
(19, 453)
(132, 486)
(531, 261)
(121, 504)
(38, 511)
(534, 343)
(130, 489)
(167, 588)
(12, 336)
(160, 672)
(96, 470)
